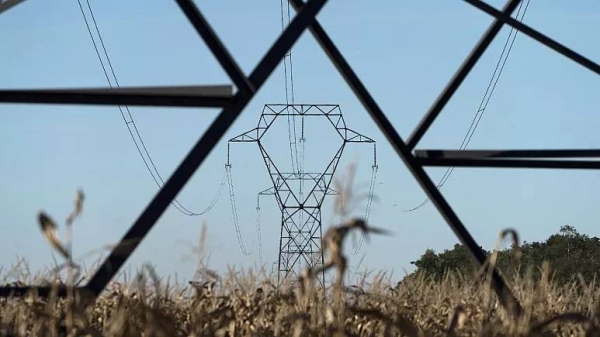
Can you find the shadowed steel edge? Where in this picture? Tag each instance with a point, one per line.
(248, 86)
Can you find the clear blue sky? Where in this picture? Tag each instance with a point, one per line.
(405, 52)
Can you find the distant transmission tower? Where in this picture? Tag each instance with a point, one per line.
(300, 194)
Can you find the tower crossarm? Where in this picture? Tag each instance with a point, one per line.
(331, 191)
(352, 136)
(313, 177)
(247, 137)
(268, 191)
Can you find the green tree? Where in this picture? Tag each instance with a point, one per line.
(456, 259)
(569, 253)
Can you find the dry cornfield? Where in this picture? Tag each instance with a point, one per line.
(247, 303)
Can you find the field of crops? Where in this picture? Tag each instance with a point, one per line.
(248, 304)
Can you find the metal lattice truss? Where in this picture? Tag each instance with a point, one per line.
(301, 227)
(272, 111)
(247, 87)
(282, 186)
(296, 230)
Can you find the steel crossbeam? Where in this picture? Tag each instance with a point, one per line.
(248, 86)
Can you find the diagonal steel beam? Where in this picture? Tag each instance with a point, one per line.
(202, 148)
(534, 34)
(216, 46)
(460, 76)
(8, 4)
(505, 295)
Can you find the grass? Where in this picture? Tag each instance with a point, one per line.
(250, 303)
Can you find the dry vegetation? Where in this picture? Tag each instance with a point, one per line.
(249, 304)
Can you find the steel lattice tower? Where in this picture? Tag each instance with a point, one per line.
(301, 225)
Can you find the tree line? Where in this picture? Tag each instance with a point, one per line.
(568, 253)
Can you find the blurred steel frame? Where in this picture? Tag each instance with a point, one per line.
(233, 106)
(8, 4)
(247, 87)
(415, 164)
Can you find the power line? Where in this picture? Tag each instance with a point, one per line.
(369, 203)
(258, 229)
(291, 119)
(130, 122)
(236, 221)
(298, 164)
(484, 101)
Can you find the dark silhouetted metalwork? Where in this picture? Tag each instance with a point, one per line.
(201, 149)
(247, 87)
(8, 4)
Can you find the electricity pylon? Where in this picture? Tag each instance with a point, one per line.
(301, 229)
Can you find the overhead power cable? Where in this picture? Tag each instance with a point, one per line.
(234, 213)
(289, 95)
(370, 196)
(258, 230)
(485, 100)
(129, 120)
(236, 220)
